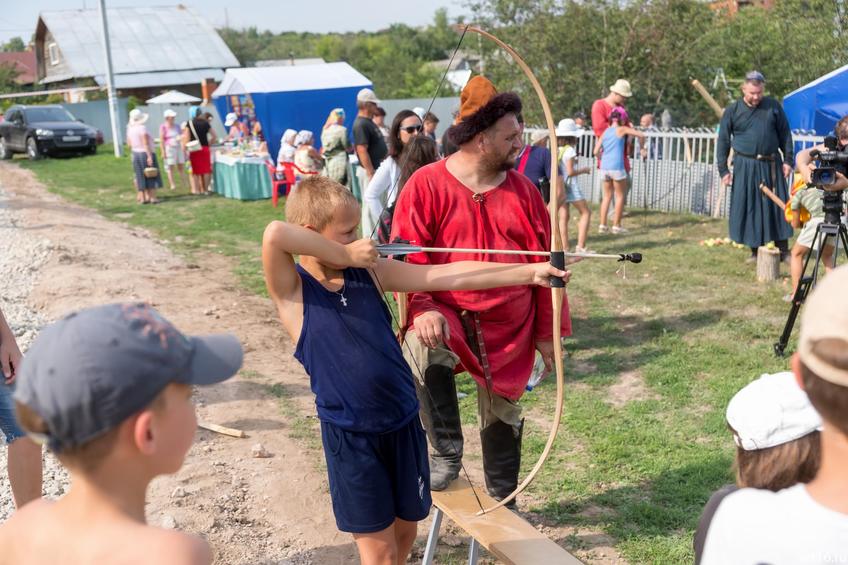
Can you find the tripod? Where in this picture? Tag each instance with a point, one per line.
(831, 226)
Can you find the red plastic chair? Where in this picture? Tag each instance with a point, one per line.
(288, 181)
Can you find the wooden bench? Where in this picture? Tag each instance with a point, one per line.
(503, 533)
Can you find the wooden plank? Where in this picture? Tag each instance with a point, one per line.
(221, 429)
(505, 534)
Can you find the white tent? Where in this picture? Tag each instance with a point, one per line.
(254, 80)
(174, 97)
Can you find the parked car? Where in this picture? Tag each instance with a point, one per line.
(45, 130)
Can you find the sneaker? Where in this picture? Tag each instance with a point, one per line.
(583, 250)
(751, 259)
(788, 297)
(619, 229)
(603, 228)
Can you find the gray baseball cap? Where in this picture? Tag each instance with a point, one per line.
(91, 370)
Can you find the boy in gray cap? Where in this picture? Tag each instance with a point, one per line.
(108, 389)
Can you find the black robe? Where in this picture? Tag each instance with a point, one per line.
(764, 130)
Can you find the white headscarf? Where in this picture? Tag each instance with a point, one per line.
(303, 136)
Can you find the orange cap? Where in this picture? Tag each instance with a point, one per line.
(477, 93)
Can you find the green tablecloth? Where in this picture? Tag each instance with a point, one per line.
(242, 178)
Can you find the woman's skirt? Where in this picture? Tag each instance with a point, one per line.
(201, 161)
(139, 163)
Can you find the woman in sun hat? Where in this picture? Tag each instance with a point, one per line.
(143, 157)
(568, 133)
(776, 432)
(172, 151)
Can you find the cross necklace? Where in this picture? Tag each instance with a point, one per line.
(340, 292)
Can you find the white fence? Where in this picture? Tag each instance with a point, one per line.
(678, 174)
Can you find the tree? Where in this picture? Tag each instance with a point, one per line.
(14, 44)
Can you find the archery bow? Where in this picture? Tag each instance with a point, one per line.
(557, 260)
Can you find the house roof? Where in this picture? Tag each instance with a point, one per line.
(325, 76)
(23, 62)
(143, 40)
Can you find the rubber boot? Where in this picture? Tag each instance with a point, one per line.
(440, 417)
(501, 458)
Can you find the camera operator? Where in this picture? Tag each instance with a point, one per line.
(805, 160)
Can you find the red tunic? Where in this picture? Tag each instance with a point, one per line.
(435, 210)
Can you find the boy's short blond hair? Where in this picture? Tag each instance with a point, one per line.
(316, 201)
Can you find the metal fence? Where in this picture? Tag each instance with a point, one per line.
(678, 173)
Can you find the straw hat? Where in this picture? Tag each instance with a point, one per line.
(622, 87)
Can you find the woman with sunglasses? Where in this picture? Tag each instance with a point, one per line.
(382, 190)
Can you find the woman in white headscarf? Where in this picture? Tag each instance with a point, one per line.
(306, 157)
(287, 147)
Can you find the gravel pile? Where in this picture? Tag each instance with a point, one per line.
(22, 253)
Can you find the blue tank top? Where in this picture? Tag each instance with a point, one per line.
(354, 362)
(612, 158)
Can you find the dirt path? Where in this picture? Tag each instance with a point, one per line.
(253, 511)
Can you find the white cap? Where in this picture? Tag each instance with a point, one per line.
(771, 411)
(419, 111)
(367, 95)
(538, 135)
(231, 118)
(169, 113)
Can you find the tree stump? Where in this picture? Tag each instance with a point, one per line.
(768, 264)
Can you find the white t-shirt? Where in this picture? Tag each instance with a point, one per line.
(753, 527)
(382, 188)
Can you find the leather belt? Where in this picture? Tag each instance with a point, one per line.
(759, 157)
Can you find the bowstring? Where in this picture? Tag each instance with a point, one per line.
(377, 280)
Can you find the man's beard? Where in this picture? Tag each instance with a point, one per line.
(499, 163)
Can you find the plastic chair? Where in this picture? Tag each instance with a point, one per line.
(288, 181)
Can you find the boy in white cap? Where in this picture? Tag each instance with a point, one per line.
(108, 389)
(807, 523)
(776, 432)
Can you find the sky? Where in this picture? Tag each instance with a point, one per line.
(18, 17)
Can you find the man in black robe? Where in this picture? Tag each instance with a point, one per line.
(757, 130)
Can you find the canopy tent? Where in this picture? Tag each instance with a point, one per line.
(174, 97)
(819, 104)
(296, 97)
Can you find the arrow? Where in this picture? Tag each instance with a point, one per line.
(386, 249)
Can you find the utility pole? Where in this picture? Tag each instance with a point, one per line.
(110, 83)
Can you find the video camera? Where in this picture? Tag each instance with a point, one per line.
(834, 159)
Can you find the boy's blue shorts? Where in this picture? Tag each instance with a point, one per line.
(375, 478)
(8, 422)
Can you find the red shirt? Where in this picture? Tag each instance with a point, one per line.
(434, 209)
(600, 122)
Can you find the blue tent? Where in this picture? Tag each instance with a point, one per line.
(819, 104)
(296, 97)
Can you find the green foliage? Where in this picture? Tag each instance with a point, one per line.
(14, 44)
(578, 48)
(395, 59)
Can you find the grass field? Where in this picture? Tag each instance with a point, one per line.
(652, 363)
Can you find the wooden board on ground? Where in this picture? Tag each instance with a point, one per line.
(505, 534)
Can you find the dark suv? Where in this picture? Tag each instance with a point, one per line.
(45, 130)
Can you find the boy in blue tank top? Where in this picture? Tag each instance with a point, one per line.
(331, 305)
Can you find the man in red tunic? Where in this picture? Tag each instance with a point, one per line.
(474, 199)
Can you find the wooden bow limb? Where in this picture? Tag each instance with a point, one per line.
(557, 260)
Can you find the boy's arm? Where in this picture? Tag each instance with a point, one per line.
(10, 355)
(283, 240)
(400, 276)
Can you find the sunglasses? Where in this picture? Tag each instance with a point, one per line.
(412, 129)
